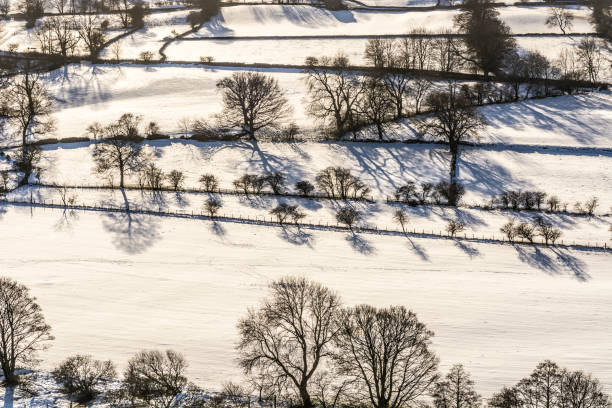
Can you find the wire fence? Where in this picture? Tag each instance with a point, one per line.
(227, 191)
(270, 221)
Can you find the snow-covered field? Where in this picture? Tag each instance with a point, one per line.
(295, 51)
(281, 20)
(430, 219)
(167, 93)
(110, 286)
(571, 174)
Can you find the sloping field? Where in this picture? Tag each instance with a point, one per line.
(570, 174)
(111, 285)
(167, 93)
(304, 20)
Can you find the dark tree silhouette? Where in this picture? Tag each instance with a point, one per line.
(487, 39)
(23, 330)
(387, 352)
(253, 101)
(456, 390)
(453, 120)
(289, 335)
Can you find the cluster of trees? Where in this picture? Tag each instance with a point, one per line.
(207, 10)
(443, 192)
(129, 11)
(539, 200)
(529, 231)
(602, 17)
(300, 347)
(553, 387)
(26, 109)
(65, 35)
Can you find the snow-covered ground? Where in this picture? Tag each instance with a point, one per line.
(110, 286)
(572, 175)
(429, 219)
(281, 20)
(158, 26)
(168, 93)
(295, 51)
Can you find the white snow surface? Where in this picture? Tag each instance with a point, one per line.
(280, 20)
(111, 285)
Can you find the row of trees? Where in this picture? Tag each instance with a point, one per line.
(301, 345)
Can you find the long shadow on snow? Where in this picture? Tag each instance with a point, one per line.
(360, 244)
(553, 261)
(297, 236)
(133, 233)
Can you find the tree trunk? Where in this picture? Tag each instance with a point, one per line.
(379, 128)
(305, 396)
(121, 177)
(9, 375)
(454, 149)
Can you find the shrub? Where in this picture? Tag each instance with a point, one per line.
(146, 56)
(525, 231)
(450, 192)
(81, 376)
(546, 231)
(154, 378)
(212, 206)
(590, 205)
(249, 183)
(348, 216)
(176, 179)
(207, 59)
(151, 177)
(284, 211)
(453, 227)
(305, 188)
(338, 182)
(276, 181)
(209, 182)
(553, 203)
(509, 229)
(152, 130)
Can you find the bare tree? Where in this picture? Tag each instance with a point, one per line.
(418, 92)
(176, 179)
(348, 216)
(456, 390)
(387, 352)
(155, 378)
(5, 7)
(375, 105)
(117, 150)
(81, 376)
(23, 330)
(453, 227)
(448, 50)
(92, 32)
(560, 17)
(417, 49)
(581, 390)
(401, 218)
(289, 335)
(338, 182)
(29, 106)
(589, 56)
(333, 91)
(455, 121)
(253, 101)
(212, 206)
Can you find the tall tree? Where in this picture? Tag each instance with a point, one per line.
(456, 390)
(375, 104)
(333, 91)
(289, 335)
(23, 330)
(29, 106)
(487, 39)
(453, 120)
(387, 352)
(117, 148)
(253, 101)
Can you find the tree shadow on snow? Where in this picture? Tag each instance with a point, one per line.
(360, 244)
(297, 236)
(470, 250)
(133, 233)
(418, 249)
(217, 228)
(9, 395)
(554, 261)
